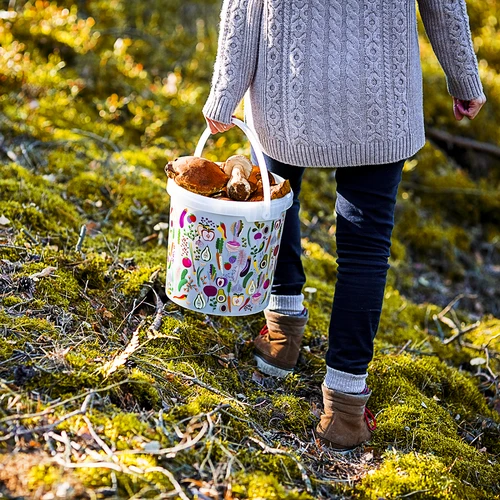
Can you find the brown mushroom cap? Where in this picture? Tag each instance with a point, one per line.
(197, 175)
(241, 162)
(256, 178)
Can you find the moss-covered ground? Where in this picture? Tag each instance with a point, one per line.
(108, 390)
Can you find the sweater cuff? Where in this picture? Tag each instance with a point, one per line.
(219, 109)
(466, 88)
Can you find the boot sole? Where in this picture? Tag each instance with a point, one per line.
(269, 369)
(342, 451)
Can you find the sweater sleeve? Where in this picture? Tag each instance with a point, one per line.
(236, 57)
(447, 25)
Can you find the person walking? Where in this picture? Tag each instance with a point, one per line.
(338, 84)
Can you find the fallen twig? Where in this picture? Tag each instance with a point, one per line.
(171, 452)
(83, 232)
(197, 381)
(51, 408)
(45, 428)
(122, 358)
(459, 333)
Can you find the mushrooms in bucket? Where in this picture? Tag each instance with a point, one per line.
(235, 179)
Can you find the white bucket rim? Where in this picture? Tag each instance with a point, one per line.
(251, 210)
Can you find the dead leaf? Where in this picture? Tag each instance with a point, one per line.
(122, 358)
(257, 377)
(44, 273)
(4, 221)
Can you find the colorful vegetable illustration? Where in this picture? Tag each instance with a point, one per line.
(206, 255)
(183, 279)
(213, 267)
(245, 270)
(236, 228)
(238, 299)
(181, 218)
(251, 287)
(210, 290)
(219, 246)
(221, 296)
(246, 302)
(247, 277)
(221, 282)
(199, 302)
(233, 245)
(222, 228)
(213, 272)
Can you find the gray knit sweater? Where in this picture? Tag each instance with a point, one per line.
(337, 82)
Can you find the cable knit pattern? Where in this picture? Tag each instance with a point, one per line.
(298, 51)
(400, 57)
(353, 68)
(337, 83)
(334, 48)
(317, 81)
(274, 88)
(374, 71)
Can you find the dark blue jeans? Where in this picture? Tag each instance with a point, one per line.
(366, 197)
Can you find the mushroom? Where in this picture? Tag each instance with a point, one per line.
(277, 191)
(256, 178)
(198, 175)
(239, 168)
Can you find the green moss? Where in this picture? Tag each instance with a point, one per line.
(35, 203)
(412, 474)
(259, 486)
(91, 186)
(33, 326)
(319, 263)
(202, 402)
(421, 403)
(11, 300)
(93, 271)
(431, 239)
(123, 426)
(291, 413)
(143, 389)
(133, 281)
(43, 476)
(58, 289)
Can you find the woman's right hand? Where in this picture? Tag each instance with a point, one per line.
(216, 127)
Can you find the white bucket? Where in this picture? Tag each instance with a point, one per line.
(222, 254)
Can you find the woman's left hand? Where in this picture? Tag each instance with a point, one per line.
(469, 109)
(216, 127)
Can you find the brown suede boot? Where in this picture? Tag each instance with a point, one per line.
(278, 345)
(346, 422)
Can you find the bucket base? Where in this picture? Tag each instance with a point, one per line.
(234, 312)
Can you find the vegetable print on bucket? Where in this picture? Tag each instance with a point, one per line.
(219, 263)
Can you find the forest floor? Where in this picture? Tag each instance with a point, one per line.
(110, 390)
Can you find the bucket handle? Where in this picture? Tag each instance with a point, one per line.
(266, 204)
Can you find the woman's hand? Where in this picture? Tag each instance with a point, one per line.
(469, 109)
(216, 127)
